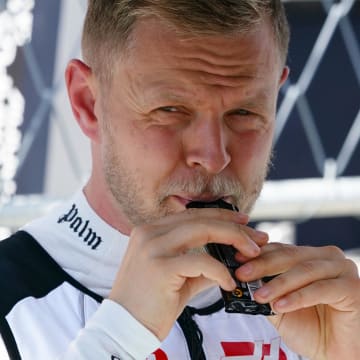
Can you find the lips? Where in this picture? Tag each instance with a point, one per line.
(186, 199)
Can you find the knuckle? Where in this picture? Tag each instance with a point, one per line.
(351, 266)
(240, 230)
(309, 267)
(290, 251)
(301, 298)
(272, 246)
(280, 281)
(335, 251)
(203, 228)
(260, 265)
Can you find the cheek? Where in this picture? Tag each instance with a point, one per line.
(155, 151)
(159, 142)
(251, 154)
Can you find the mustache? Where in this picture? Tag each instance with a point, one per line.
(216, 185)
(198, 183)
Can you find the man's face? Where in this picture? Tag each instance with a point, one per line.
(188, 119)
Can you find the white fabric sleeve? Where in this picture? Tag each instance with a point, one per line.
(3, 352)
(112, 333)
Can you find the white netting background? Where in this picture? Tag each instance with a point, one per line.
(332, 194)
(15, 30)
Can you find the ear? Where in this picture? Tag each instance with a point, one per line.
(81, 90)
(284, 75)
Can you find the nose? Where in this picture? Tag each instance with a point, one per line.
(205, 145)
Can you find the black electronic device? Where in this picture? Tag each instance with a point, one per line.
(241, 299)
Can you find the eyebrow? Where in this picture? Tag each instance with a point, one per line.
(258, 97)
(261, 97)
(162, 90)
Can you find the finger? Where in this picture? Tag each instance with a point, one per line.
(333, 292)
(278, 258)
(198, 266)
(197, 285)
(260, 237)
(300, 276)
(328, 252)
(193, 234)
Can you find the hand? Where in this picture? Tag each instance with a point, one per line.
(316, 297)
(160, 272)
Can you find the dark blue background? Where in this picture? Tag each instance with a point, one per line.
(333, 97)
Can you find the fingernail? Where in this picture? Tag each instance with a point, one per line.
(263, 292)
(281, 303)
(243, 217)
(246, 269)
(262, 234)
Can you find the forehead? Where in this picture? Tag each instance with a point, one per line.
(159, 54)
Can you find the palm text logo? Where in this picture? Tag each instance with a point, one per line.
(81, 227)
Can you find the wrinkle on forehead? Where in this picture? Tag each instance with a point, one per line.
(251, 55)
(219, 76)
(239, 58)
(241, 65)
(242, 53)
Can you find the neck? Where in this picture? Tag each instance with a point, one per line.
(103, 203)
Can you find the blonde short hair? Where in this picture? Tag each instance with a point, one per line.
(109, 23)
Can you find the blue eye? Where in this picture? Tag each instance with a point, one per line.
(169, 109)
(241, 112)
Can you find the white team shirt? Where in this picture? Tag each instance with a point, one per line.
(69, 321)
